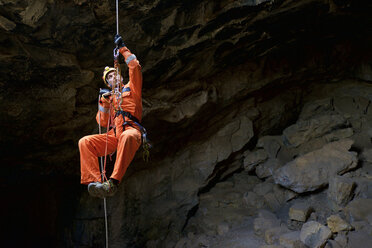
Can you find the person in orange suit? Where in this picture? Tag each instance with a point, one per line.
(123, 114)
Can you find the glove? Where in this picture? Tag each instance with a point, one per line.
(119, 41)
(105, 93)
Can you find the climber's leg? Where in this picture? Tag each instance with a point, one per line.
(91, 147)
(128, 144)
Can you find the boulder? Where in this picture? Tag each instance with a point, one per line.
(359, 239)
(337, 224)
(314, 170)
(299, 212)
(271, 145)
(314, 235)
(291, 240)
(252, 159)
(341, 190)
(305, 130)
(6, 24)
(359, 209)
(317, 107)
(332, 244)
(267, 168)
(341, 239)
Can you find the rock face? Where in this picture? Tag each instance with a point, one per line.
(249, 105)
(341, 190)
(314, 234)
(337, 224)
(313, 170)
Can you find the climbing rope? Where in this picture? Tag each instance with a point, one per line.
(103, 174)
(117, 92)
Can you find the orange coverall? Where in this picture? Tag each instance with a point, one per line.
(125, 141)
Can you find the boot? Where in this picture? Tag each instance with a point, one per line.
(102, 190)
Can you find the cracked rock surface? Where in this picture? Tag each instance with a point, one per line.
(253, 107)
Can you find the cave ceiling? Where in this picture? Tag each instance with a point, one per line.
(53, 53)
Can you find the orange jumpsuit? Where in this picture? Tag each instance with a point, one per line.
(125, 141)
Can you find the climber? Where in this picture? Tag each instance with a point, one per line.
(124, 137)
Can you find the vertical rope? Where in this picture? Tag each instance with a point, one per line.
(102, 169)
(117, 17)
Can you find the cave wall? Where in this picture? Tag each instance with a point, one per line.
(217, 76)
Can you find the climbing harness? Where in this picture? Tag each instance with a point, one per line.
(146, 145)
(116, 92)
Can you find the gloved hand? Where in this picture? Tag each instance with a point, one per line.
(105, 93)
(119, 41)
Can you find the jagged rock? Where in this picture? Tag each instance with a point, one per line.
(34, 12)
(272, 235)
(333, 244)
(341, 239)
(318, 143)
(359, 239)
(366, 155)
(364, 186)
(305, 130)
(362, 226)
(313, 170)
(271, 246)
(271, 144)
(341, 190)
(337, 224)
(6, 24)
(265, 221)
(291, 240)
(232, 50)
(252, 159)
(300, 212)
(186, 108)
(351, 105)
(267, 168)
(317, 107)
(314, 234)
(359, 209)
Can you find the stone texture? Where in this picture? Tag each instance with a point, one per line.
(252, 159)
(313, 170)
(314, 234)
(6, 24)
(267, 168)
(359, 209)
(265, 221)
(306, 130)
(299, 212)
(271, 246)
(291, 240)
(272, 235)
(204, 62)
(316, 107)
(337, 224)
(359, 239)
(340, 190)
(271, 145)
